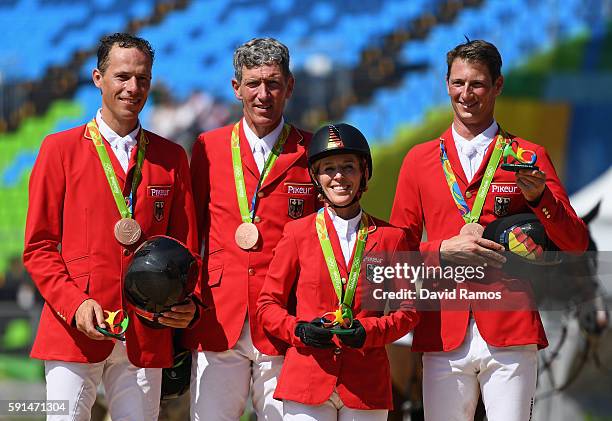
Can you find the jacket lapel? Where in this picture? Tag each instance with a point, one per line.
(335, 242)
(113, 159)
(134, 154)
(453, 156)
(373, 236)
(483, 165)
(246, 154)
(292, 151)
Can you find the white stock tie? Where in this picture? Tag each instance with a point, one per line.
(123, 153)
(260, 155)
(470, 150)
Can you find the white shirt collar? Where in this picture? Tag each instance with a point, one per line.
(347, 232)
(472, 152)
(113, 138)
(268, 140)
(346, 224)
(480, 142)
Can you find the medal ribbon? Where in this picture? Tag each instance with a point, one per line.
(246, 214)
(332, 265)
(111, 177)
(472, 216)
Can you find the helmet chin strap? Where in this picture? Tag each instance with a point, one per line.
(357, 197)
(319, 188)
(333, 205)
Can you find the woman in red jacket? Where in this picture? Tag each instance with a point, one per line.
(314, 296)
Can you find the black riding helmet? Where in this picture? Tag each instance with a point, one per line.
(162, 273)
(531, 255)
(337, 139)
(529, 251)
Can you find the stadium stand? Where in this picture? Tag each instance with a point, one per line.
(198, 37)
(62, 27)
(43, 65)
(507, 24)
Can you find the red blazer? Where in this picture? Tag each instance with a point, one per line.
(298, 274)
(232, 277)
(70, 248)
(423, 200)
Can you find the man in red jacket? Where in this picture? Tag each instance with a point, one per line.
(97, 191)
(250, 178)
(456, 180)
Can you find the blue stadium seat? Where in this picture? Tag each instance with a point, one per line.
(336, 28)
(509, 25)
(39, 34)
(195, 45)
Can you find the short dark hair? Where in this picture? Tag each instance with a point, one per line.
(478, 51)
(259, 52)
(123, 40)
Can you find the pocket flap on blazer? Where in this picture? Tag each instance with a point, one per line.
(78, 266)
(215, 267)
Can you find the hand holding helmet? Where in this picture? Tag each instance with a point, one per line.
(179, 316)
(159, 282)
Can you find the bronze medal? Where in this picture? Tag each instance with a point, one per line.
(246, 235)
(127, 231)
(472, 228)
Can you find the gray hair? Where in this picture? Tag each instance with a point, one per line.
(260, 52)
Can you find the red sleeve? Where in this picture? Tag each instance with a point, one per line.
(389, 328)
(273, 299)
(43, 233)
(200, 178)
(200, 187)
(407, 211)
(182, 224)
(560, 221)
